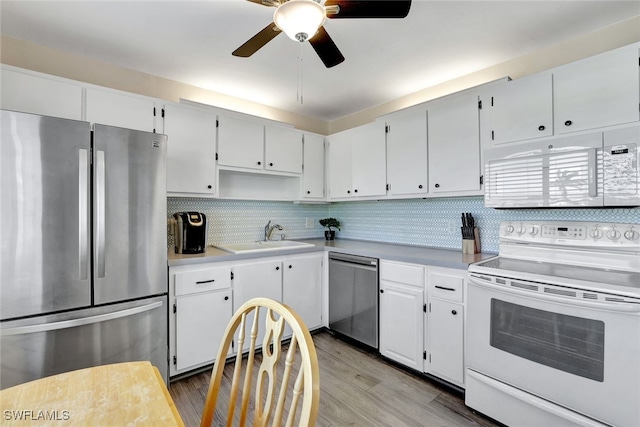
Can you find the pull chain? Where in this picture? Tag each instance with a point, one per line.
(300, 64)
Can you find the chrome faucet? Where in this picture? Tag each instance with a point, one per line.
(268, 229)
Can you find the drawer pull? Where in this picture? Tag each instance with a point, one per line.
(444, 288)
(226, 298)
(202, 282)
(454, 312)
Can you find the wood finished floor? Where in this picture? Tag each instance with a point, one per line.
(357, 389)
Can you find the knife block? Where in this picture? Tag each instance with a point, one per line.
(472, 246)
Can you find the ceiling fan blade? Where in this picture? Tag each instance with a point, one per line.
(326, 48)
(368, 9)
(252, 45)
(269, 3)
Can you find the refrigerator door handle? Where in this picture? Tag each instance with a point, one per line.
(100, 213)
(65, 324)
(83, 214)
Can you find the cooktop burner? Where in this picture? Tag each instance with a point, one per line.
(601, 276)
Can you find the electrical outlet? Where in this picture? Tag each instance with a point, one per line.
(453, 226)
(310, 223)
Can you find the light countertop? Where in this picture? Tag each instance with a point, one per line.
(450, 258)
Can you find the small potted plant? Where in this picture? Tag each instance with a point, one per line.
(330, 223)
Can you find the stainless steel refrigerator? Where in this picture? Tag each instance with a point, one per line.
(83, 267)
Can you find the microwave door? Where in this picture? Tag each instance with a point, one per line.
(564, 172)
(45, 258)
(129, 214)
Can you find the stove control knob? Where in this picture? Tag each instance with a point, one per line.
(596, 234)
(533, 230)
(631, 235)
(508, 229)
(613, 234)
(521, 229)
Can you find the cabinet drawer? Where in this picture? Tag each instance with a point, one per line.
(445, 286)
(209, 279)
(402, 273)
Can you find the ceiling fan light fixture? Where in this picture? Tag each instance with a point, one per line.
(299, 19)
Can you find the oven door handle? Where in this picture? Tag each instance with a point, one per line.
(615, 306)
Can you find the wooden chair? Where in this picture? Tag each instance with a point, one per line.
(272, 377)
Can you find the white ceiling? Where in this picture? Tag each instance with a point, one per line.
(192, 41)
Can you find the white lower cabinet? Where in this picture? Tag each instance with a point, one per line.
(257, 279)
(422, 318)
(200, 323)
(445, 324)
(302, 287)
(200, 301)
(401, 313)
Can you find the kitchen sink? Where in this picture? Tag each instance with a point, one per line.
(262, 246)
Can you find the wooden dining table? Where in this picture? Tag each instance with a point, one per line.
(121, 394)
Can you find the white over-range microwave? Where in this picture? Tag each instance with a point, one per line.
(593, 169)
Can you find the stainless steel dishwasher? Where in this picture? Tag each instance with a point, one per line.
(353, 297)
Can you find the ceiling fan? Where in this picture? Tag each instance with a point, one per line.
(302, 20)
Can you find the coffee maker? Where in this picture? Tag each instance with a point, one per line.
(190, 232)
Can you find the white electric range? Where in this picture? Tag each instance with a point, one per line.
(553, 326)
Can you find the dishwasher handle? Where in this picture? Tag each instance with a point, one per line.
(353, 259)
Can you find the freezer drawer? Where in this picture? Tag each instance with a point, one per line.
(47, 345)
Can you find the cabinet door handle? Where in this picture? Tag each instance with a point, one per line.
(348, 191)
(382, 291)
(270, 164)
(259, 163)
(308, 192)
(454, 312)
(277, 268)
(290, 266)
(445, 288)
(541, 128)
(437, 185)
(355, 191)
(420, 186)
(209, 187)
(568, 123)
(202, 282)
(226, 298)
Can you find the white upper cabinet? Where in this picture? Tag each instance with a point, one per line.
(407, 169)
(520, 109)
(599, 91)
(283, 149)
(313, 173)
(240, 143)
(357, 162)
(191, 150)
(368, 159)
(340, 168)
(454, 143)
(249, 144)
(121, 109)
(34, 94)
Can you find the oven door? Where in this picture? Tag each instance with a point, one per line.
(579, 353)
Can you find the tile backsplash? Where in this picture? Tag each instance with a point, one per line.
(424, 222)
(230, 221)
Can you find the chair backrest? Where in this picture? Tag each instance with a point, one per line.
(272, 379)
